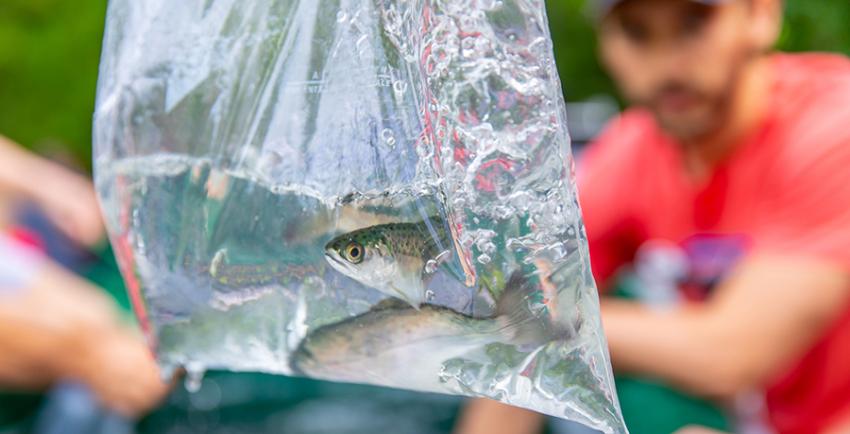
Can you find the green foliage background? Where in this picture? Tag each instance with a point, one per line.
(49, 52)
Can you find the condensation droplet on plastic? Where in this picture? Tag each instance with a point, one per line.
(514, 244)
(430, 295)
(194, 377)
(341, 16)
(490, 4)
(399, 87)
(388, 137)
(423, 151)
(361, 43)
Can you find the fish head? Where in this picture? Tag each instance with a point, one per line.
(366, 257)
(362, 256)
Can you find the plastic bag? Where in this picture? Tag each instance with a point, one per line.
(366, 191)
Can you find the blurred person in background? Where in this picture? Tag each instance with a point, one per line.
(54, 326)
(725, 194)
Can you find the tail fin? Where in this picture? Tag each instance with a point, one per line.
(519, 321)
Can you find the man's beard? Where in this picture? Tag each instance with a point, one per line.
(713, 110)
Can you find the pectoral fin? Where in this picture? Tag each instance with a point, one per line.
(409, 285)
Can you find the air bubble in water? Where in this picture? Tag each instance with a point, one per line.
(430, 295)
(341, 16)
(484, 258)
(431, 266)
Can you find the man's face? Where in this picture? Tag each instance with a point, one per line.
(680, 59)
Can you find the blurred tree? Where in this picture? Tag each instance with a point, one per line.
(574, 38)
(809, 25)
(822, 25)
(49, 52)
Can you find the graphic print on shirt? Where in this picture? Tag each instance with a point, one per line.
(668, 273)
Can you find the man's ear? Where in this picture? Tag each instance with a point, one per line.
(765, 24)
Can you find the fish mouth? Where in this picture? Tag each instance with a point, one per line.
(336, 261)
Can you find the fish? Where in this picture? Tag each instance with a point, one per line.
(394, 344)
(392, 257)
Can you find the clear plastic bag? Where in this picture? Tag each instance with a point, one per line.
(375, 191)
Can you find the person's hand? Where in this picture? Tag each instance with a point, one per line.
(109, 357)
(482, 416)
(120, 370)
(66, 197)
(60, 328)
(69, 201)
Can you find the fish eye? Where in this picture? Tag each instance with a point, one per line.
(354, 252)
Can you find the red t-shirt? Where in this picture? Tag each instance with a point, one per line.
(786, 188)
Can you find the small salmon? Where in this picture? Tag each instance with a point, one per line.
(381, 345)
(392, 257)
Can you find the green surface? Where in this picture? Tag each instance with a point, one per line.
(258, 403)
(17, 411)
(650, 407)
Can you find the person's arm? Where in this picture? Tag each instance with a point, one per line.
(59, 328)
(67, 198)
(759, 321)
(484, 416)
(15, 168)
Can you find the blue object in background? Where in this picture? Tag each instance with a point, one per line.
(71, 408)
(57, 245)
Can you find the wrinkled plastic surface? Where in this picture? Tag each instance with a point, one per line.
(235, 139)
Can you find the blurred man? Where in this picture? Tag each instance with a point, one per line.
(726, 190)
(55, 327)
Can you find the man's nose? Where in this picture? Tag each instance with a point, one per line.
(671, 59)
